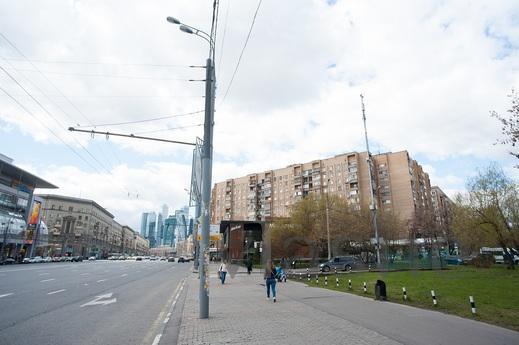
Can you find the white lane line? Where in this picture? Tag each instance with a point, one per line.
(166, 320)
(157, 339)
(6, 294)
(43, 274)
(101, 280)
(84, 274)
(124, 275)
(101, 300)
(86, 284)
(57, 291)
(47, 280)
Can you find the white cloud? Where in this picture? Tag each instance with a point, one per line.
(430, 72)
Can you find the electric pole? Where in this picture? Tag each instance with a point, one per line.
(373, 204)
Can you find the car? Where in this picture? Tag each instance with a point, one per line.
(153, 258)
(139, 258)
(453, 260)
(77, 259)
(345, 263)
(163, 258)
(171, 259)
(8, 261)
(181, 259)
(37, 259)
(26, 261)
(47, 259)
(122, 257)
(92, 258)
(56, 259)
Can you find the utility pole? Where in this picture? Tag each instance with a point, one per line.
(207, 162)
(328, 221)
(373, 204)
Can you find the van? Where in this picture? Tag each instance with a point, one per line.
(499, 255)
(345, 263)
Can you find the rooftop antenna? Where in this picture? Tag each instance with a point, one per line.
(373, 204)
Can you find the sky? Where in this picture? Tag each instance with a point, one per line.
(430, 72)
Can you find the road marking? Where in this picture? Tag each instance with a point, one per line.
(57, 291)
(6, 294)
(47, 280)
(157, 339)
(84, 274)
(101, 300)
(101, 280)
(43, 274)
(86, 284)
(124, 275)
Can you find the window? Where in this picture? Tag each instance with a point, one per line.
(70, 208)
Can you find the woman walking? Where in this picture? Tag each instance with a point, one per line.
(270, 280)
(223, 271)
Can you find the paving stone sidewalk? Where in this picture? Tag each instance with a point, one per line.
(240, 314)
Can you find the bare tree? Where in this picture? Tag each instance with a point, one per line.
(510, 124)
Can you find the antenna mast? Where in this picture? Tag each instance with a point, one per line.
(373, 204)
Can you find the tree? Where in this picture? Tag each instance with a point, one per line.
(510, 124)
(488, 213)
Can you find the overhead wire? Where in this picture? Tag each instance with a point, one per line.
(241, 54)
(49, 129)
(100, 75)
(224, 32)
(13, 46)
(168, 129)
(142, 121)
(99, 63)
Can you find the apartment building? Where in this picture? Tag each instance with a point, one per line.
(399, 183)
(442, 207)
(83, 227)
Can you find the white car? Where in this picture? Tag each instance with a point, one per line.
(92, 258)
(37, 259)
(47, 259)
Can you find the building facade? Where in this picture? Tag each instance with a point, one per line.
(442, 206)
(20, 212)
(399, 183)
(82, 227)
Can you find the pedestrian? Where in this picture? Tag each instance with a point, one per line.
(270, 280)
(249, 266)
(222, 271)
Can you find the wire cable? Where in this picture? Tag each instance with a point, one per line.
(224, 32)
(98, 63)
(100, 75)
(168, 129)
(142, 121)
(241, 54)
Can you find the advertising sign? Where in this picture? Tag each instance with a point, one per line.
(35, 214)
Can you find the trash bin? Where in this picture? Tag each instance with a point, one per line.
(380, 291)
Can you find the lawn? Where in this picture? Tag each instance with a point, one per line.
(495, 290)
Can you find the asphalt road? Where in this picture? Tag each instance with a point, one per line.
(102, 302)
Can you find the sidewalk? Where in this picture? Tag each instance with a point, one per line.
(240, 314)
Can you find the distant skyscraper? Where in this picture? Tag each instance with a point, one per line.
(164, 211)
(160, 229)
(149, 227)
(144, 225)
(170, 224)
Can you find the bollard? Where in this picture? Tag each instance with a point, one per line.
(404, 293)
(365, 287)
(369, 267)
(337, 281)
(317, 279)
(472, 305)
(325, 280)
(308, 274)
(434, 297)
(349, 284)
(335, 268)
(300, 276)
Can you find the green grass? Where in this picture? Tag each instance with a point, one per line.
(495, 290)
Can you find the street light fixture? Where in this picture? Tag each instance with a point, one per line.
(207, 161)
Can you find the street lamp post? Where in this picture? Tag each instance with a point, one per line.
(207, 161)
(328, 221)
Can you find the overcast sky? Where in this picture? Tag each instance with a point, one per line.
(430, 71)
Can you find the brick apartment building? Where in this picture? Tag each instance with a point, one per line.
(400, 186)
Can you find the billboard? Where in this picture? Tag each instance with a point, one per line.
(35, 214)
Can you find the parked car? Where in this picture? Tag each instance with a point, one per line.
(453, 260)
(56, 259)
(122, 257)
(77, 259)
(171, 259)
(8, 261)
(92, 258)
(345, 263)
(163, 258)
(181, 259)
(47, 259)
(26, 261)
(139, 258)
